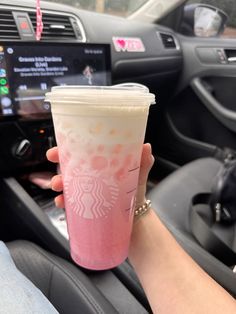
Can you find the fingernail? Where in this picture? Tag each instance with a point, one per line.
(52, 184)
(150, 147)
(56, 202)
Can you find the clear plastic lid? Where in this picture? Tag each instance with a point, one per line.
(117, 94)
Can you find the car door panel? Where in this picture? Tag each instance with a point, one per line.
(203, 110)
(202, 58)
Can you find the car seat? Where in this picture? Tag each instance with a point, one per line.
(74, 290)
(171, 200)
(65, 286)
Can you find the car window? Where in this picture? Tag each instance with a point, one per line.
(229, 7)
(141, 10)
(113, 7)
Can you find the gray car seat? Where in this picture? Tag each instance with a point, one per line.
(72, 290)
(64, 285)
(171, 200)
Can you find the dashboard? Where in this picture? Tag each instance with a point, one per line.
(77, 47)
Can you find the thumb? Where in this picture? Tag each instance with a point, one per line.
(146, 164)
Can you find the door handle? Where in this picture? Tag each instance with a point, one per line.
(232, 59)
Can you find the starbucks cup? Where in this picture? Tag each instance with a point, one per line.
(100, 133)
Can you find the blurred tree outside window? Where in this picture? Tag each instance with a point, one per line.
(229, 7)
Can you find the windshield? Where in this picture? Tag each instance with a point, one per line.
(115, 7)
(137, 9)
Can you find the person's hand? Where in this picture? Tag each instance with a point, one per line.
(147, 161)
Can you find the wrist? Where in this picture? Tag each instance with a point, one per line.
(142, 209)
(140, 236)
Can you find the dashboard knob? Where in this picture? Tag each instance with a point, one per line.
(22, 149)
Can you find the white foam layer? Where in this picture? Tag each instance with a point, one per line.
(100, 96)
(124, 109)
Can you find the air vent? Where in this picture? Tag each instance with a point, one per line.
(8, 29)
(168, 41)
(59, 27)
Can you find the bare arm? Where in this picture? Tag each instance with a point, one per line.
(172, 281)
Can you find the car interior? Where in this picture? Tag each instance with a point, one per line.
(191, 129)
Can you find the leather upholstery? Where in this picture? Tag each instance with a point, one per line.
(66, 287)
(171, 200)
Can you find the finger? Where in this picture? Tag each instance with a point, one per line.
(52, 154)
(147, 161)
(59, 201)
(56, 183)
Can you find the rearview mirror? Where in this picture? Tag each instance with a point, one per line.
(203, 20)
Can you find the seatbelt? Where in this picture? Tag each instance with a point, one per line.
(203, 232)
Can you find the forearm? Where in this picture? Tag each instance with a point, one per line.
(173, 282)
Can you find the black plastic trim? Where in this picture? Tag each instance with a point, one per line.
(33, 216)
(207, 148)
(226, 116)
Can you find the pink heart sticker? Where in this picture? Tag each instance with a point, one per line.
(121, 42)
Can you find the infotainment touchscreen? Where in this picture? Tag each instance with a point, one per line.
(28, 70)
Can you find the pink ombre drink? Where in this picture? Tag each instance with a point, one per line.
(100, 132)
